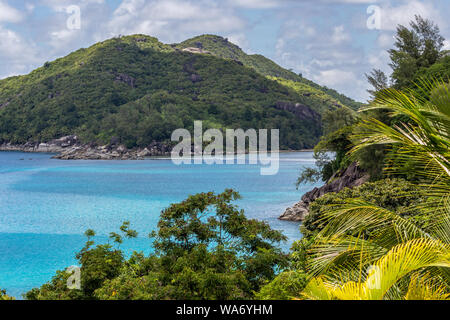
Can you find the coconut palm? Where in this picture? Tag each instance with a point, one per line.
(369, 252)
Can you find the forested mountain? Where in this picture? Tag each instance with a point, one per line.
(325, 97)
(136, 90)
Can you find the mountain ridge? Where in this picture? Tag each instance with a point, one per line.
(261, 64)
(97, 93)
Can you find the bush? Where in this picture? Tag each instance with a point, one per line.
(398, 195)
(4, 296)
(285, 286)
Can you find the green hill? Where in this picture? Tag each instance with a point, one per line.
(323, 97)
(137, 90)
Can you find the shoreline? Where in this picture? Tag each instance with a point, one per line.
(69, 148)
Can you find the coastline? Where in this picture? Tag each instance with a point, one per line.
(70, 148)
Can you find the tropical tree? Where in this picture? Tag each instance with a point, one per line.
(369, 252)
(415, 48)
(4, 296)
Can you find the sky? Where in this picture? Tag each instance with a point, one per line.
(332, 42)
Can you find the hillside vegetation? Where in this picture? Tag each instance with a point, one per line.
(137, 90)
(223, 48)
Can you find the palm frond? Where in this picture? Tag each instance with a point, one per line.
(386, 272)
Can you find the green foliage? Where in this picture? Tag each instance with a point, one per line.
(314, 96)
(331, 151)
(205, 248)
(417, 55)
(139, 90)
(4, 296)
(228, 246)
(309, 175)
(334, 120)
(321, 97)
(397, 195)
(415, 48)
(439, 70)
(285, 286)
(339, 143)
(56, 289)
(223, 48)
(397, 239)
(378, 80)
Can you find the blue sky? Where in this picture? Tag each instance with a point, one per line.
(328, 41)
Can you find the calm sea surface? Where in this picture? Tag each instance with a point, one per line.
(46, 205)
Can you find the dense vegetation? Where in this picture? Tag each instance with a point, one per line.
(417, 57)
(136, 90)
(205, 248)
(387, 239)
(4, 296)
(223, 48)
(397, 195)
(378, 251)
(312, 96)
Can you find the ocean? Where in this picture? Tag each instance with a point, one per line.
(46, 204)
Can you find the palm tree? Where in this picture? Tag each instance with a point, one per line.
(369, 252)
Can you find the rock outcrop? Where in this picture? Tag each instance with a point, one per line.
(54, 146)
(196, 50)
(70, 148)
(112, 152)
(299, 110)
(351, 177)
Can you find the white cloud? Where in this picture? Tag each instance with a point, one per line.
(392, 16)
(30, 7)
(446, 45)
(326, 40)
(255, 4)
(385, 39)
(60, 5)
(339, 35)
(12, 45)
(379, 60)
(341, 80)
(9, 14)
(241, 41)
(335, 77)
(174, 20)
(19, 54)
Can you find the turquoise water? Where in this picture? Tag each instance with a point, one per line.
(46, 205)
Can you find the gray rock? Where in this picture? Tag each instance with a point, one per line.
(297, 213)
(301, 111)
(144, 153)
(70, 148)
(122, 149)
(351, 177)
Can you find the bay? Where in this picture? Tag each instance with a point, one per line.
(46, 204)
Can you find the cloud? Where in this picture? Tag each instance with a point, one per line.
(240, 39)
(19, 54)
(60, 5)
(379, 59)
(255, 4)
(9, 14)
(325, 54)
(339, 35)
(385, 40)
(335, 77)
(323, 39)
(446, 45)
(340, 80)
(393, 15)
(174, 20)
